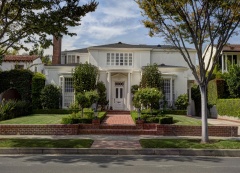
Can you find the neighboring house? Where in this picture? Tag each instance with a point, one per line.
(31, 62)
(230, 55)
(120, 67)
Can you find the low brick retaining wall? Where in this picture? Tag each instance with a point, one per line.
(39, 129)
(139, 129)
(176, 130)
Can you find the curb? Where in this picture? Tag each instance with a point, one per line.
(90, 151)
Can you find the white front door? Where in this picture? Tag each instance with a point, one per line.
(118, 99)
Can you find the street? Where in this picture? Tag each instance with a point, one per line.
(116, 164)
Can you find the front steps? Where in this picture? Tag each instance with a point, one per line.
(111, 112)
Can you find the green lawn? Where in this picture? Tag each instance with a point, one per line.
(36, 119)
(46, 143)
(189, 143)
(185, 120)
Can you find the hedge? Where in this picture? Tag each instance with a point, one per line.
(38, 83)
(228, 107)
(217, 89)
(19, 79)
(175, 112)
(55, 111)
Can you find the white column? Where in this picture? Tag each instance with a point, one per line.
(222, 63)
(109, 89)
(171, 91)
(129, 92)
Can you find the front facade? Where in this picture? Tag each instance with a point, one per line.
(31, 62)
(120, 67)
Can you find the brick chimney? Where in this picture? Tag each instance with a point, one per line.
(57, 44)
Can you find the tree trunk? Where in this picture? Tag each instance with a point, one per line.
(203, 91)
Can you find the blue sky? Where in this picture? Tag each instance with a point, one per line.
(113, 21)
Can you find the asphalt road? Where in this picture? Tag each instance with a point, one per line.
(117, 164)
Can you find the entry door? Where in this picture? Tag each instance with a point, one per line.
(118, 100)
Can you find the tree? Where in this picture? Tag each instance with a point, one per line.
(37, 50)
(151, 77)
(101, 89)
(147, 97)
(23, 21)
(82, 100)
(194, 22)
(85, 77)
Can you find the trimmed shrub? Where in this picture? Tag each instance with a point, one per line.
(149, 112)
(19, 79)
(217, 89)
(228, 107)
(38, 83)
(196, 96)
(50, 96)
(182, 102)
(166, 120)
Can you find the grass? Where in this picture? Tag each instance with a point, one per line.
(36, 119)
(177, 119)
(189, 143)
(46, 143)
(185, 120)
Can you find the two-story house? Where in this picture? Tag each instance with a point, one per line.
(120, 67)
(230, 55)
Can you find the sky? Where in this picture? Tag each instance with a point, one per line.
(113, 21)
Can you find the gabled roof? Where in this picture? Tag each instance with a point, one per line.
(20, 58)
(231, 48)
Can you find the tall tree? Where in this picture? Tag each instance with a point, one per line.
(85, 77)
(151, 77)
(24, 21)
(195, 22)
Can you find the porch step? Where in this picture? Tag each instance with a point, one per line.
(127, 127)
(117, 132)
(117, 112)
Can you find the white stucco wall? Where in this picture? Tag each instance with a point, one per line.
(9, 65)
(208, 57)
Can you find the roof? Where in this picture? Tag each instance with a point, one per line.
(124, 45)
(231, 48)
(24, 58)
(84, 50)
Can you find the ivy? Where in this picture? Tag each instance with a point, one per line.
(19, 79)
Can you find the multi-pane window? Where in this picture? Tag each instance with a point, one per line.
(169, 91)
(68, 85)
(119, 59)
(70, 59)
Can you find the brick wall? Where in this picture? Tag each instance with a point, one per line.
(175, 130)
(38, 129)
(147, 129)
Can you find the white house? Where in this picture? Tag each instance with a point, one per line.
(120, 67)
(229, 54)
(31, 62)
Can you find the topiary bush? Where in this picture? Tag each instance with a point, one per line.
(182, 102)
(38, 83)
(50, 97)
(166, 120)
